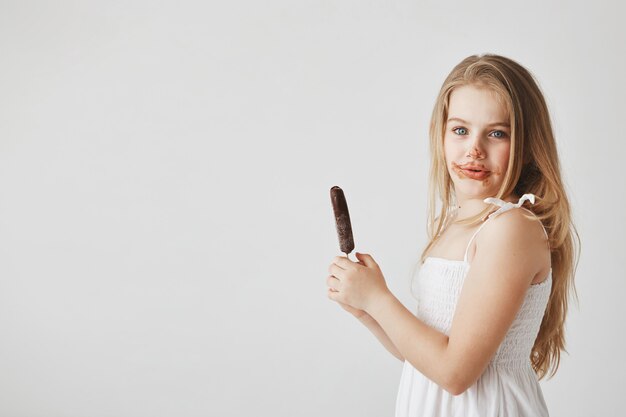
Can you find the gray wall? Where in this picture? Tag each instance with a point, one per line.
(165, 222)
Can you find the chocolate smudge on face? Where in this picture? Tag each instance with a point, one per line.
(485, 183)
(459, 172)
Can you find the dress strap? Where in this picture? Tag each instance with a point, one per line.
(504, 206)
(471, 239)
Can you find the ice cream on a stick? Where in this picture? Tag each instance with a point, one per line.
(342, 220)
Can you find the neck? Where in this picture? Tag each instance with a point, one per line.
(469, 206)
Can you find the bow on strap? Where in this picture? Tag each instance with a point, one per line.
(506, 205)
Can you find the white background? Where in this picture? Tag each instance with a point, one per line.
(165, 220)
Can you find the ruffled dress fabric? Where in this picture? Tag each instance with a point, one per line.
(508, 387)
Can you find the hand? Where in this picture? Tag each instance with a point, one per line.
(356, 284)
(359, 314)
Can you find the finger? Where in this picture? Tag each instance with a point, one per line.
(332, 282)
(333, 295)
(366, 259)
(342, 262)
(336, 271)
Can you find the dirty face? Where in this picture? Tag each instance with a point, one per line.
(477, 142)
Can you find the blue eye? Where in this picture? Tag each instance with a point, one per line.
(461, 128)
(502, 134)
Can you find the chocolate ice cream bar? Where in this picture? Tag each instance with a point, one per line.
(342, 220)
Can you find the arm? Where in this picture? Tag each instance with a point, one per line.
(373, 326)
(422, 346)
(380, 334)
(487, 306)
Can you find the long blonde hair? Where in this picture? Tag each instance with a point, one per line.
(533, 168)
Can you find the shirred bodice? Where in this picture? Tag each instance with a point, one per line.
(508, 387)
(439, 284)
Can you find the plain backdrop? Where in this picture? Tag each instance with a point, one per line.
(165, 219)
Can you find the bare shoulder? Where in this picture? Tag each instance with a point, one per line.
(518, 236)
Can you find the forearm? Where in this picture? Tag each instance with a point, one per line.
(380, 334)
(422, 346)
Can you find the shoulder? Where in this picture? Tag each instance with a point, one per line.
(516, 234)
(515, 220)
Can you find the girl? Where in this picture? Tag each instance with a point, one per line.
(495, 276)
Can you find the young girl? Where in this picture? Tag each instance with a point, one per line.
(496, 274)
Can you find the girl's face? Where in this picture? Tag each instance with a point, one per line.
(476, 142)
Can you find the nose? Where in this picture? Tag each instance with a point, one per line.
(476, 149)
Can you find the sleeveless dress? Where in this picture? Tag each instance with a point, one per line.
(508, 387)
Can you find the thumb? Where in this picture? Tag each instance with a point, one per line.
(366, 259)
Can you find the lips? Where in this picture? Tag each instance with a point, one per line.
(474, 171)
(476, 175)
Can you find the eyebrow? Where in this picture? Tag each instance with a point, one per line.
(456, 119)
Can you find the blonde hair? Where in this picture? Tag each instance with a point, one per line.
(533, 168)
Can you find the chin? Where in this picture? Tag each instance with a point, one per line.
(471, 188)
(477, 191)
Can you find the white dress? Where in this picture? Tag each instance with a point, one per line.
(508, 387)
